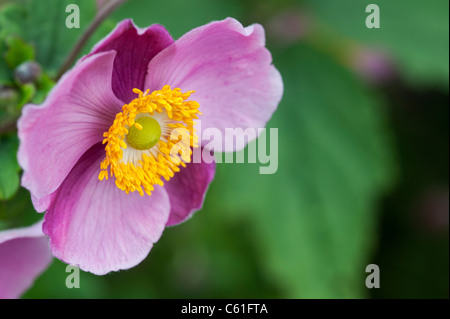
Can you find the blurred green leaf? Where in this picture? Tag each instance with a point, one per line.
(18, 211)
(43, 86)
(47, 31)
(18, 52)
(173, 13)
(52, 284)
(12, 16)
(43, 26)
(414, 33)
(5, 72)
(9, 171)
(315, 218)
(27, 92)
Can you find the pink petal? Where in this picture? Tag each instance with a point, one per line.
(229, 68)
(41, 204)
(135, 48)
(187, 190)
(95, 225)
(24, 255)
(76, 113)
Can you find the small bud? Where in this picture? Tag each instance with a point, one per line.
(27, 72)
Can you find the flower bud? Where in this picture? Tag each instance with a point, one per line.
(27, 72)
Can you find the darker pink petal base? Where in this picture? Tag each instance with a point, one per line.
(24, 255)
(98, 227)
(135, 48)
(187, 190)
(230, 70)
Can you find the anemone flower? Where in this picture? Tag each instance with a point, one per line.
(98, 154)
(24, 255)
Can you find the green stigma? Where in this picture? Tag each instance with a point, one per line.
(145, 135)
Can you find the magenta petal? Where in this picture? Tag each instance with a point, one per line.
(230, 70)
(135, 48)
(187, 190)
(24, 255)
(97, 226)
(76, 113)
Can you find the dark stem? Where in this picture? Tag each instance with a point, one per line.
(102, 14)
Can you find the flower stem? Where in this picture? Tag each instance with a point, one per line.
(104, 11)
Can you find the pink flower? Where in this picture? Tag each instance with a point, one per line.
(24, 255)
(95, 217)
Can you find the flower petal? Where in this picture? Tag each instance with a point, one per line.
(77, 112)
(98, 227)
(230, 70)
(187, 190)
(24, 255)
(135, 48)
(41, 204)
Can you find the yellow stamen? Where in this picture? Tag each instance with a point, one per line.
(161, 160)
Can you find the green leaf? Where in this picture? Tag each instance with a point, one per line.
(18, 52)
(47, 31)
(145, 13)
(18, 211)
(43, 85)
(5, 72)
(314, 219)
(43, 26)
(12, 16)
(9, 171)
(414, 33)
(27, 92)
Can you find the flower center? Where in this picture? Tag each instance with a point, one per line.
(144, 134)
(148, 141)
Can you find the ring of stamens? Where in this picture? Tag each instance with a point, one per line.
(163, 159)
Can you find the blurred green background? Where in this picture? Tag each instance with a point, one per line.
(363, 154)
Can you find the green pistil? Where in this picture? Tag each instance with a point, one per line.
(145, 138)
